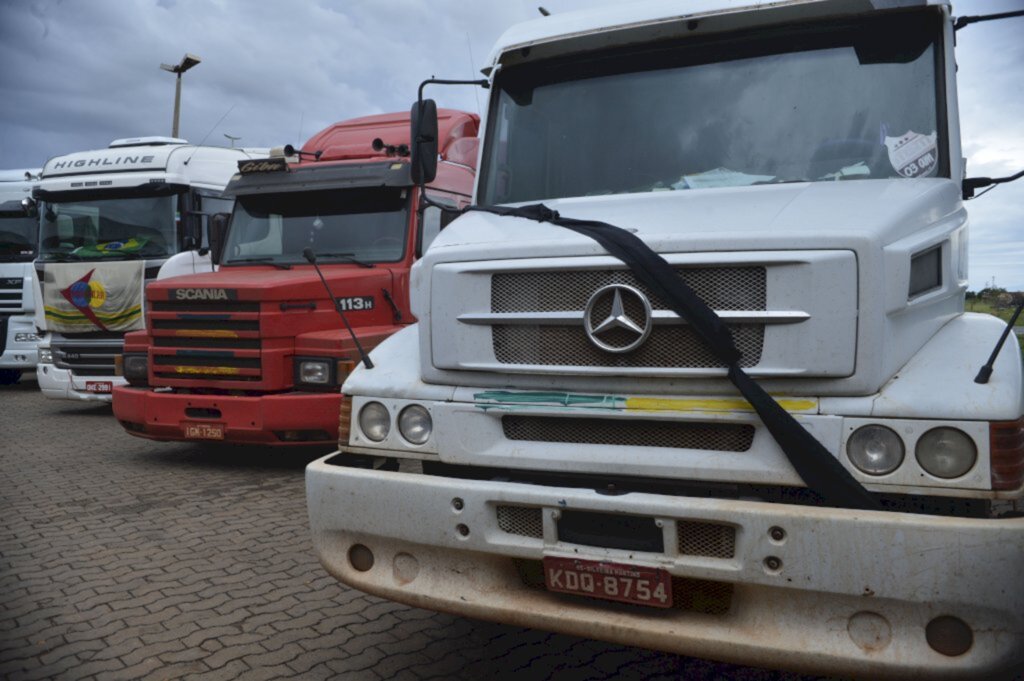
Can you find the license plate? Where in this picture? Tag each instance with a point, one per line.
(203, 431)
(610, 581)
(105, 387)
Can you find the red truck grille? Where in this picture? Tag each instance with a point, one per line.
(205, 340)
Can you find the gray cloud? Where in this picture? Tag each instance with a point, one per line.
(76, 75)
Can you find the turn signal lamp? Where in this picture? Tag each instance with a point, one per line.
(1006, 444)
(344, 420)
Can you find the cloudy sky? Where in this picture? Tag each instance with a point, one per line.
(76, 74)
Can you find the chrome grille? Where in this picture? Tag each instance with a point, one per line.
(722, 288)
(719, 437)
(87, 357)
(725, 289)
(10, 294)
(521, 520)
(695, 538)
(668, 346)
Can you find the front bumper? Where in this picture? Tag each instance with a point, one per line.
(852, 593)
(18, 354)
(61, 384)
(245, 420)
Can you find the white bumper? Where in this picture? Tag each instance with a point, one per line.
(852, 594)
(19, 354)
(60, 384)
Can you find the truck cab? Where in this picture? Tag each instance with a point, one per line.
(112, 220)
(557, 445)
(256, 352)
(19, 238)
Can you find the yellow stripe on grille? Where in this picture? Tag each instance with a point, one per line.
(206, 370)
(206, 333)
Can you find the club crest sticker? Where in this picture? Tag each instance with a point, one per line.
(913, 154)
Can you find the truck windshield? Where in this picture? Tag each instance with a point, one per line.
(108, 229)
(18, 235)
(811, 103)
(364, 224)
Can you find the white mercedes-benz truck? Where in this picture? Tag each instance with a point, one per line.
(19, 237)
(110, 221)
(696, 374)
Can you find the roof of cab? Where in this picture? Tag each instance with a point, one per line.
(353, 139)
(649, 20)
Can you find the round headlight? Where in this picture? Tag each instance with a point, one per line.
(415, 425)
(374, 421)
(875, 450)
(946, 452)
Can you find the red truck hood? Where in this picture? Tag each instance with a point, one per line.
(268, 284)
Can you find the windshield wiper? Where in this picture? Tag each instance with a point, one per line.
(263, 261)
(346, 256)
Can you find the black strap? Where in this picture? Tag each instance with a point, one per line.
(816, 466)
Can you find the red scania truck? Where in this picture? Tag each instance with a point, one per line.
(256, 352)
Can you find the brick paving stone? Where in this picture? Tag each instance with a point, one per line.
(171, 561)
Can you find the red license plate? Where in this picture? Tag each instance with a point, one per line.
(610, 581)
(105, 387)
(203, 431)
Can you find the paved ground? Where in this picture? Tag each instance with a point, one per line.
(125, 559)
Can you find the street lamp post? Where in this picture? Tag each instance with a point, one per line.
(187, 62)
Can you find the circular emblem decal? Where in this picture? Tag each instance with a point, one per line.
(618, 318)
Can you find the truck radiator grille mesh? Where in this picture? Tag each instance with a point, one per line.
(695, 538)
(521, 520)
(199, 340)
(87, 359)
(719, 437)
(667, 347)
(670, 346)
(723, 288)
(688, 595)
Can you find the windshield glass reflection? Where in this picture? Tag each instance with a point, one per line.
(822, 103)
(365, 224)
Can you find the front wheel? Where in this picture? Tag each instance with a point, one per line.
(9, 376)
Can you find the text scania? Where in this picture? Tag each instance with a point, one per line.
(204, 294)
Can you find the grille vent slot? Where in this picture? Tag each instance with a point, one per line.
(694, 538)
(722, 288)
(667, 347)
(521, 520)
(720, 437)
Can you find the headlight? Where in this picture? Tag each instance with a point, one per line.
(26, 337)
(946, 452)
(375, 421)
(415, 425)
(314, 371)
(45, 356)
(136, 367)
(875, 450)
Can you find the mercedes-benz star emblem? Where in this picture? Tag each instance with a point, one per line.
(621, 327)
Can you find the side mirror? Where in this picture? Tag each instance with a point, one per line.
(30, 207)
(423, 120)
(218, 232)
